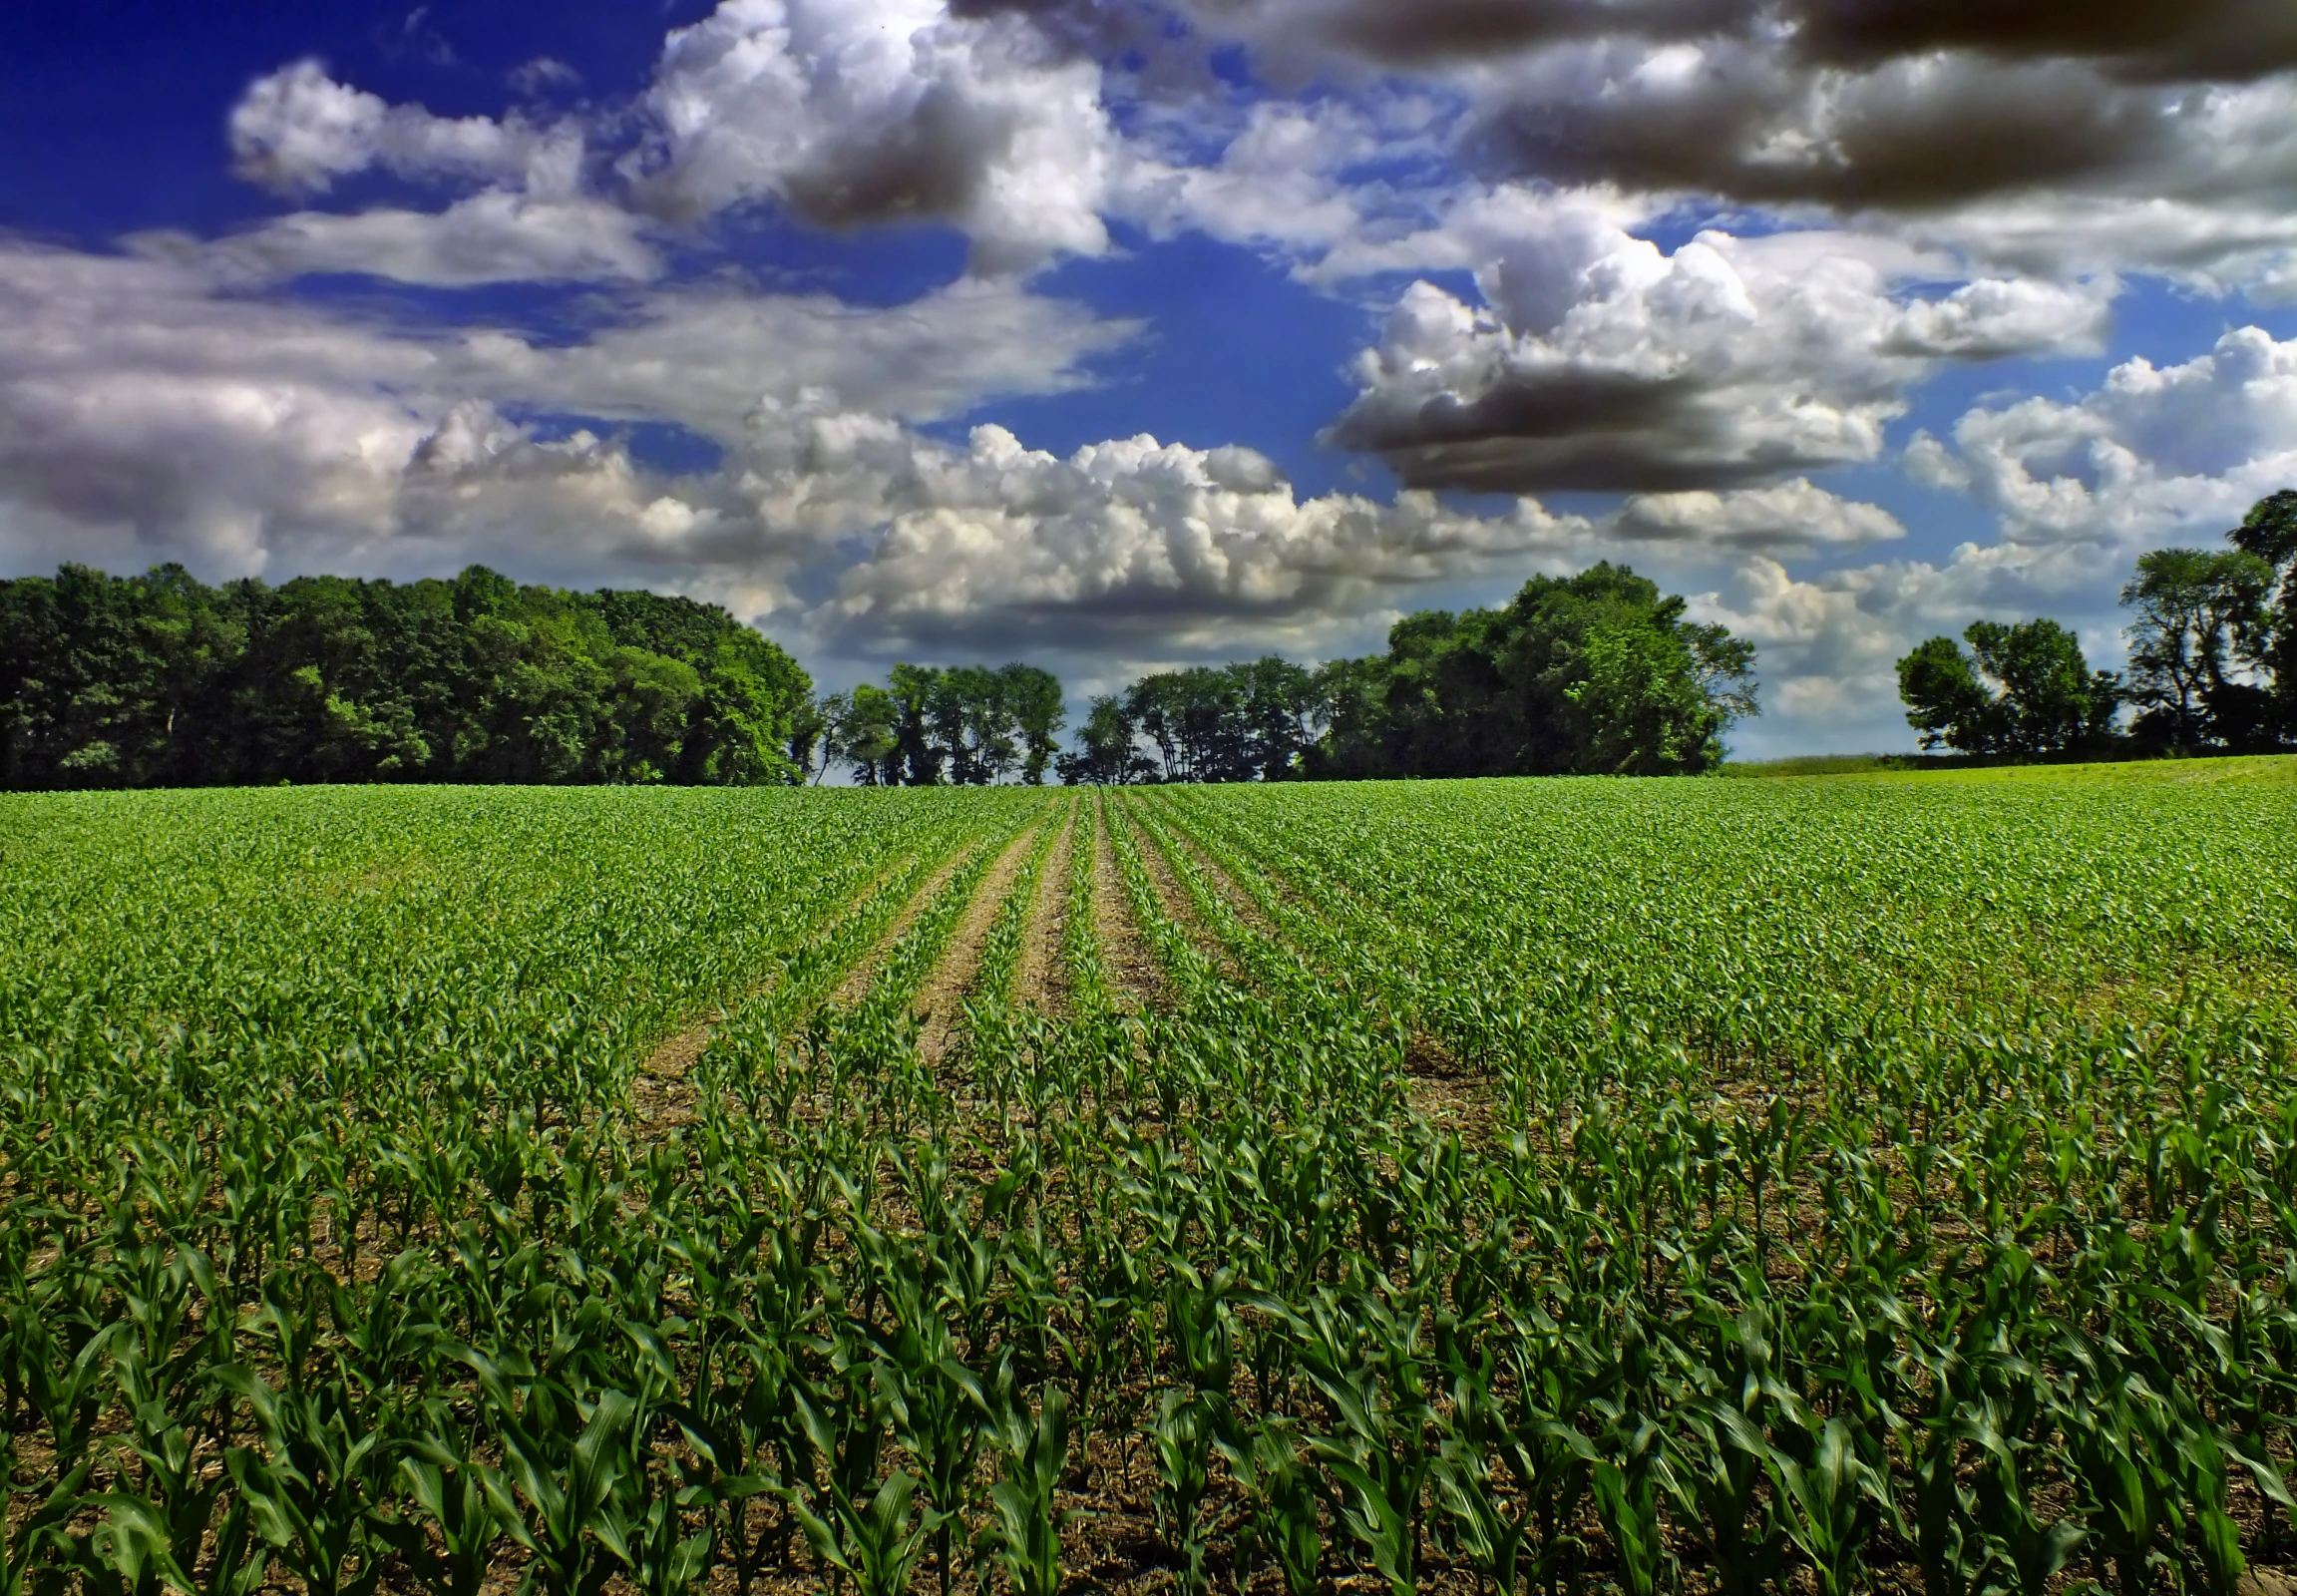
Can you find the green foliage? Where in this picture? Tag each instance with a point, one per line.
(1644, 1184)
(2022, 690)
(1598, 674)
(157, 680)
(967, 726)
(2198, 613)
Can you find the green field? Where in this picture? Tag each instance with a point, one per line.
(1875, 1181)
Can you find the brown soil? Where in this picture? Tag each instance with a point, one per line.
(1227, 886)
(1178, 907)
(953, 979)
(1133, 969)
(1042, 983)
(857, 978)
(1451, 1096)
(660, 1094)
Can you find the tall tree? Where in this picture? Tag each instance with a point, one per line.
(920, 700)
(869, 733)
(1107, 754)
(2269, 532)
(2200, 616)
(1033, 702)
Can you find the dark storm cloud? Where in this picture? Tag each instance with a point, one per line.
(1562, 405)
(1908, 136)
(1439, 30)
(1574, 430)
(2140, 40)
(932, 162)
(2143, 40)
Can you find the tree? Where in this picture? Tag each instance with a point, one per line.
(1278, 706)
(2199, 616)
(1640, 709)
(1944, 701)
(920, 700)
(1032, 701)
(2023, 689)
(159, 680)
(2269, 532)
(1107, 754)
(1598, 672)
(1350, 711)
(809, 736)
(971, 725)
(868, 733)
(1153, 704)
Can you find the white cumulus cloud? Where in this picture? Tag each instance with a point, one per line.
(1600, 361)
(854, 112)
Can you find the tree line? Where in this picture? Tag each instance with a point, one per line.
(1599, 672)
(2212, 661)
(967, 725)
(162, 680)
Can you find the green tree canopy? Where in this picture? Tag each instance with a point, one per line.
(967, 725)
(1598, 672)
(2023, 688)
(2200, 615)
(161, 681)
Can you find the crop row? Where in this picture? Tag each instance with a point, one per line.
(1540, 1186)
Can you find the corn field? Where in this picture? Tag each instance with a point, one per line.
(1523, 1187)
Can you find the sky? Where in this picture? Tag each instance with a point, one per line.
(1116, 335)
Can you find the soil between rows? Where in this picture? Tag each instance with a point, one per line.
(953, 979)
(1132, 970)
(1042, 983)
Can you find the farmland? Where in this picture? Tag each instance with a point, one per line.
(1877, 1182)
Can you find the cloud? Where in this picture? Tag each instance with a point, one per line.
(297, 132)
(2143, 40)
(1603, 362)
(486, 237)
(2155, 452)
(2138, 39)
(151, 416)
(1133, 540)
(1954, 119)
(1793, 516)
(542, 75)
(1742, 120)
(154, 417)
(858, 111)
(709, 355)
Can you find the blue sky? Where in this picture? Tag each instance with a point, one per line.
(1117, 333)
